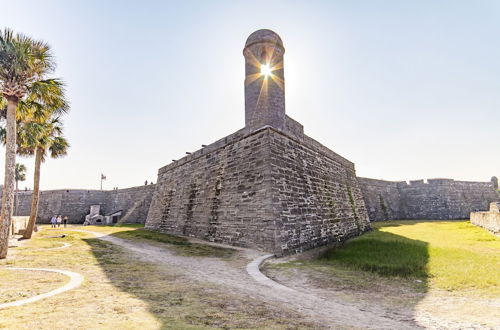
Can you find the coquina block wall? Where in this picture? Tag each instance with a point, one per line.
(262, 190)
(438, 199)
(267, 186)
(76, 204)
(134, 202)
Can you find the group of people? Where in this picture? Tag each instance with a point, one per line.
(57, 220)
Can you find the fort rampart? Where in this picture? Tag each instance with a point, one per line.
(75, 204)
(263, 189)
(438, 199)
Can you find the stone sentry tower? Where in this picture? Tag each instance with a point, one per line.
(267, 186)
(264, 80)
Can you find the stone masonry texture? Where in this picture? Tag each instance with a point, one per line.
(263, 189)
(438, 199)
(264, 95)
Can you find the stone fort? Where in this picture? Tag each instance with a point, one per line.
(268, 185)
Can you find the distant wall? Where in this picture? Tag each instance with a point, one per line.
(133, 201)
(488, 220)
(382, 198)
(75, 204)
(438, 199)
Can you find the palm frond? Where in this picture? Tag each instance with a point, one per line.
(23, 61)
(59, 147)
(20, 172)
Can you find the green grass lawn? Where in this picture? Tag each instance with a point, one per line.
(449, 255)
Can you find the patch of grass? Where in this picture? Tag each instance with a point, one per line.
(112, 229)
(46, 242)
(154, 236)
(449, 255)
(130, 225)
(180, 245)
(21, 284)
(384, 254)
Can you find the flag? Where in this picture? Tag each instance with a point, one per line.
(103, 177)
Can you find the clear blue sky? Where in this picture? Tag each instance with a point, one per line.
(404, 89)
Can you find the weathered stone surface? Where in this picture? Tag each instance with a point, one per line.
(438, 199)
(133, 201)
(488, 220)
(264, 94)
(74, 204)
(494, 181)
(315, 195)
(264, 190)
(217, 195)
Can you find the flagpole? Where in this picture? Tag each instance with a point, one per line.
(103, 177)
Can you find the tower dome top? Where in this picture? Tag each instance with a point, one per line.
(264, 35)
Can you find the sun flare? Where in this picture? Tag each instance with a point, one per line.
(265, 69)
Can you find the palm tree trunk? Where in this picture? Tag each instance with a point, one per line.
(35, 196)
(16, 197)
(8, 188)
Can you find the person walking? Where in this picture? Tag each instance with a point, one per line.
(65, 220)
(59, 221)
(53, 221)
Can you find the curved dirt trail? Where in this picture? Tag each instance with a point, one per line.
(330, 313)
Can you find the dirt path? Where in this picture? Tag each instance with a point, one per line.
(331, 313)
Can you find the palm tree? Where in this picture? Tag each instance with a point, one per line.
(45, 102)
(45, 97)
(23, 61)
(20, 174)
(40, 138)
